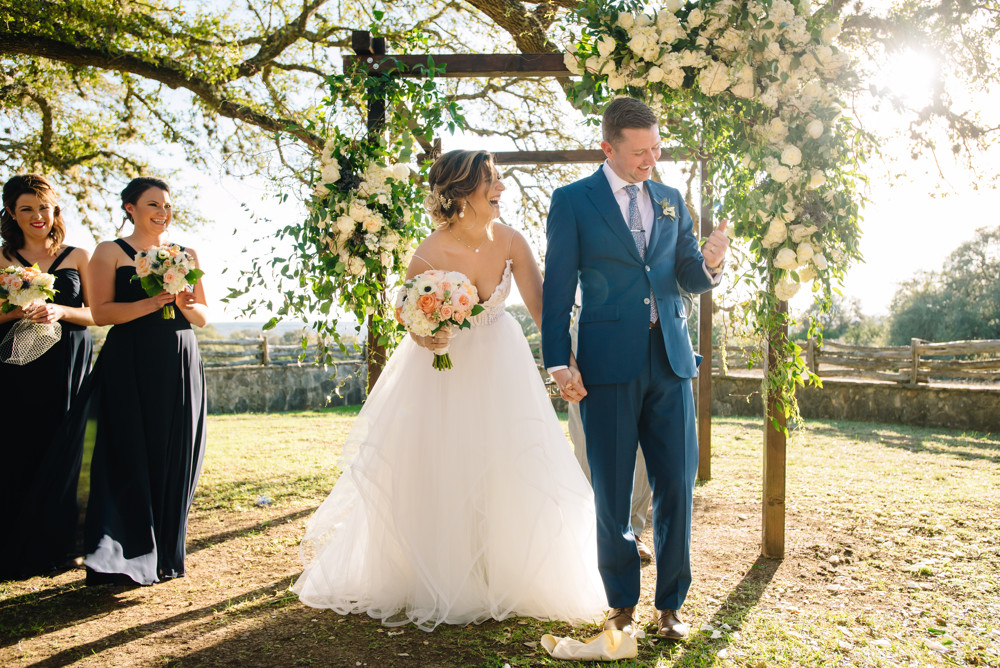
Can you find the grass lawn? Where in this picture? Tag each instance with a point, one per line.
(892, 559)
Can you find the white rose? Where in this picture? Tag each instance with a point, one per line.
(695, 18)
(800, 233)
(673, 5)
(804, 252)
(781, 174)
(813, 90)
(806, 274)
(674, 78)
(605, 46)
(786, 259)
(776, 234)
(359, 211)
(346, 225)
(791, 155)
(607, 67)
(785, 289)
(356, 266)
(616, 81)
(819, 260)
(626, 20)
(831, 32)
(400, 172)
(770, 97)
(655, 74)
(572, 63)
(809, 62)
(772, 51)
(815, 128)
(330, 173)
(816, 179)
(373, 224)
(714, 79)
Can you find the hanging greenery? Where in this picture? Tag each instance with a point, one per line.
(365, 214)
(757, 88)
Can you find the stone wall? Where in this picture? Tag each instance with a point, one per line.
(274, 389)
(951, 406)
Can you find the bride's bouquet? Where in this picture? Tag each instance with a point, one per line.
(26, 341)
(435, 299)
(168, 267)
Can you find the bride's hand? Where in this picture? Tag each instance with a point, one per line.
(435, 342)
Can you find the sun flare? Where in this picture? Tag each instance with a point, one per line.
(910, 74)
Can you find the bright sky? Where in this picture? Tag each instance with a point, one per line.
(909, 225)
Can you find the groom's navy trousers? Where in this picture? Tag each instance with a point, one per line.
(657, 411)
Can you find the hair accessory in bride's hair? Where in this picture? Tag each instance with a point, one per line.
(434, 200)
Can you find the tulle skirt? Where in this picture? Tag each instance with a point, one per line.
(460, 500)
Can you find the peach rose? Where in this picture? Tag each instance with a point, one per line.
(30, 273)
(399, 316)
(427, 304)
(143, 266)
(459, 317)
(463, 300)
(446, 311)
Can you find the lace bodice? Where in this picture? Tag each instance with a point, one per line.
(494, 306)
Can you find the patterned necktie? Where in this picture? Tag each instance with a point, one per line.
(639, 236)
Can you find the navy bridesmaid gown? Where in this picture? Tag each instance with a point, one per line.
(43, 440)
(149, 446)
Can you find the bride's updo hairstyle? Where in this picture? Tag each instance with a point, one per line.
(28, 184)
(453, 178)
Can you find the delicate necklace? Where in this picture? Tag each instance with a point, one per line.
(474, 250)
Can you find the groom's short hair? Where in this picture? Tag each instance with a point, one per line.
(625, 112)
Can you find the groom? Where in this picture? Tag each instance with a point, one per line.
(628, 242)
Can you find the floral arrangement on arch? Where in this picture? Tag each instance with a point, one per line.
(364, 214)
(757, 88)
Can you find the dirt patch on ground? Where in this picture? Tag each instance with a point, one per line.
(892, 556)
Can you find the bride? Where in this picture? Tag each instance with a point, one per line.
(460, 499)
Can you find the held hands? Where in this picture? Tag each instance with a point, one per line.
(436, 342)
(570, 384)
(44, 314)
(714, 250)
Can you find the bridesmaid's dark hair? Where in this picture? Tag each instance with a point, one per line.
(28, 184)
(134, 190)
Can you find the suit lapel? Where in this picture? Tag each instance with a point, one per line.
(599, 191)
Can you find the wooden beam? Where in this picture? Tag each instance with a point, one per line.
(569, 157)
(705, 341)
(773, 503)
(519, 65)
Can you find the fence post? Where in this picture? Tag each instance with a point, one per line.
(265, 357)
(811, 356)
(914, 359)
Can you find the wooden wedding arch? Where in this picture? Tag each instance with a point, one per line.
(370, 55)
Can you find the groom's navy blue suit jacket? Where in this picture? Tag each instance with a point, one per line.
(589, 242)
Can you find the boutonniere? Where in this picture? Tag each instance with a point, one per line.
(669, 212)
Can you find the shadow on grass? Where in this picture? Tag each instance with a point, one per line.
(197, 544)
(49, 610)
(969, 446)
(702, 650)
(140, 631)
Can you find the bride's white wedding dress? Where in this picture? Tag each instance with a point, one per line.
(460, 498)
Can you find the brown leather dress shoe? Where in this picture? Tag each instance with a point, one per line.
(620, 619)
(669, 625)
(645, 554)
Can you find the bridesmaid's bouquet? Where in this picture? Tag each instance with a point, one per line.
(436, 299)
(26, 341)
(168, 267)
(22, 286)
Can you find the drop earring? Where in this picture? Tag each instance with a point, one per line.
(461, 212)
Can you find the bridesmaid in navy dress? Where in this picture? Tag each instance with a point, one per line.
(42, 442)
(151, 417)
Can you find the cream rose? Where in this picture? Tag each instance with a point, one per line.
(815, 128)
(816, 179)
(820, 261)
(804, 252)
(695, 18)
(786, 259)
(791, 155)
(785, 289)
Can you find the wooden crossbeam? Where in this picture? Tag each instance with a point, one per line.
(466, 65)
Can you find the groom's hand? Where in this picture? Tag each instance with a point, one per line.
(570, 384)
(714, 250)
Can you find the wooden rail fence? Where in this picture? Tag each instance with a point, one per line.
(919, 362)
(259, 351)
